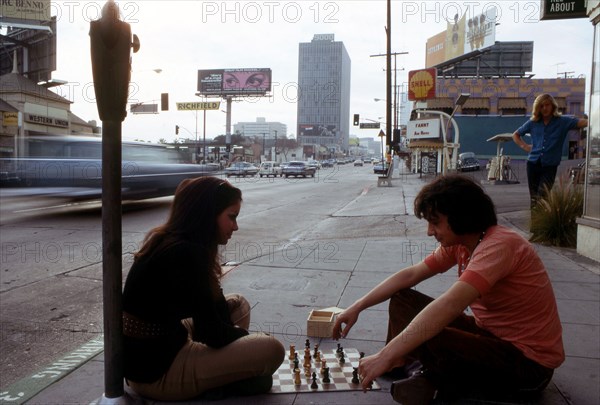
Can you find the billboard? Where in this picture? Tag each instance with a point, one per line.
(38, 10)
(462, 36)
(234, 82)
(317, 130)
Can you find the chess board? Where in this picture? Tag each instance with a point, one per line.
(339, 374)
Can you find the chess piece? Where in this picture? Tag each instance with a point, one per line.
(323, 365)
(362, 354)
(316, 350)
(314, 385)
(296, 363)
(318, 357)
(306, 357)
(326, 379)
(339, 349)
(307, 371)
(355, 379)
(292, 352)
(307, 344)
(297, 380)
(342, 358)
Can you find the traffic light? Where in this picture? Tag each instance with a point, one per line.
(356, 119)
(176, 129)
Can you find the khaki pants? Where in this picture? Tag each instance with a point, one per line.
(198, 368)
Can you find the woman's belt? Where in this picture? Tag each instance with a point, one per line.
(137, 328)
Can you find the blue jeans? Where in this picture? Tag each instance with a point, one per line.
(539, 176)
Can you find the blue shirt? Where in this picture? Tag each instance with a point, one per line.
(548, 139)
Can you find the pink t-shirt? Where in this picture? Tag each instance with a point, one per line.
(516, 301)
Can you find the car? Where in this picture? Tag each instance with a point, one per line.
(468, 164)
(328, 163)
(358, 162)
(270, 169)
(298, 168)
(314, 163)
(242, 169)
(380, 168)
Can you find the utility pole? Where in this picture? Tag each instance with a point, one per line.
(391, 122)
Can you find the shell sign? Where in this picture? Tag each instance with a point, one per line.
(421, 84)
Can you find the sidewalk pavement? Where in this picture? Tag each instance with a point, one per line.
(283, 287)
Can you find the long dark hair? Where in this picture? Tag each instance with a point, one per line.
(193, 218)
(468, 208)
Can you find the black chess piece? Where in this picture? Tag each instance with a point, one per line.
(362, 354)
(296, 363)
(314, 384)
(355, 379)
(342, 358)
(307, 344)
(326, 379)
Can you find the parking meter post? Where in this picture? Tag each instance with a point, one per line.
(111, 43)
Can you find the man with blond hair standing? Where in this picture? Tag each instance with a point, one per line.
(548, 130)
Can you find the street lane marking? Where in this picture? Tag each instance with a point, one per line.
(28, 387)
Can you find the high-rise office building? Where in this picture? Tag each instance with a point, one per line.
(323, 95)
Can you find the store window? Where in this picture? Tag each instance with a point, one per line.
(592, 192)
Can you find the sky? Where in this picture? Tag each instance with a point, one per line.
(182, 37)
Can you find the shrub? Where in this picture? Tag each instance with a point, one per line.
(553, 216)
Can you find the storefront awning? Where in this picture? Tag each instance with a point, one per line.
(561, 101)
(440, 103)
(509, 103)
(413, 144)
(477, 103)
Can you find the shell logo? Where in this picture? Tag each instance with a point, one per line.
(421, 84)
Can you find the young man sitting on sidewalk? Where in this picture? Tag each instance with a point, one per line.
(512, 343)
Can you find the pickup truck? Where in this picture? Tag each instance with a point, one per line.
(298, 168)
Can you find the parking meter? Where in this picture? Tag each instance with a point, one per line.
(111, 42)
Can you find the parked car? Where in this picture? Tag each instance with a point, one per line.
(298, 168)
(380, 168)
(468, 164)
(358, 162)
(242, 169)
(270, 169)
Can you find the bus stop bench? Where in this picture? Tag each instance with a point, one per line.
(387, 178)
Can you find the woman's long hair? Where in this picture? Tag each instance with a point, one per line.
(193, 218)
(536, 114)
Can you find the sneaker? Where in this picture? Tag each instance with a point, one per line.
(416, 390)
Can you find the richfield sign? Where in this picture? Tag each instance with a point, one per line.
(422, 84)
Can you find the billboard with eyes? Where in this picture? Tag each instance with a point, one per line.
(234, 82)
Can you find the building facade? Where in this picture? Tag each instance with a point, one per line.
(323, 118)
(28, 109)
(261, 128)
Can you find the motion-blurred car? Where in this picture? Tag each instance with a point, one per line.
(241, 169)
(298, 168)
(358, 162)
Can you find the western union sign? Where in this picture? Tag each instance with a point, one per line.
(198, 106)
